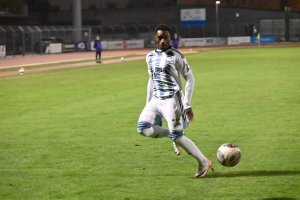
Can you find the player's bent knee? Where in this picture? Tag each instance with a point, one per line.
(142, 126)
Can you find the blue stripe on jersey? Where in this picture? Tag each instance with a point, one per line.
(158, 74)
(168, 78)
(151, 66)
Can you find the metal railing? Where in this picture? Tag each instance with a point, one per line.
(276, 27)
(27, 39)
(23, 40)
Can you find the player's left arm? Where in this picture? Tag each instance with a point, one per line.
(189, 88)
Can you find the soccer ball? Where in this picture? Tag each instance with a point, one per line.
(229, 155)
(21, 71)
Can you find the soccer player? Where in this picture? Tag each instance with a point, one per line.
(165, 64)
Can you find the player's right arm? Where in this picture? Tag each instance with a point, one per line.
(149, 90)
(150, 84)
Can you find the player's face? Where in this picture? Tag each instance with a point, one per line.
(162, 39)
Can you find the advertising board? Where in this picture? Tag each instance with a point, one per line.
(54, 48)
(238, 40)
(125, 44)
(263, 39)
(2, 51)
(193, 17)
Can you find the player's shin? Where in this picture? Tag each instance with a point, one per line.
(190, 147)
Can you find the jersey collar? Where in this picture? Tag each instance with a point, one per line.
(160, 51)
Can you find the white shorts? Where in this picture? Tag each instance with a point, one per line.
(171, 109)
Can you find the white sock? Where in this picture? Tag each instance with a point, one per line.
(190, 147)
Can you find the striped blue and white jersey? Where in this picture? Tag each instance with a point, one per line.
(164, 68)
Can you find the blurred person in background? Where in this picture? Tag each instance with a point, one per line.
(175, 41)
(98, 47)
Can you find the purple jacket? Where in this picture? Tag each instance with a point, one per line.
(175, 42)
(98, 46)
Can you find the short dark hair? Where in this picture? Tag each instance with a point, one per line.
(163, 27)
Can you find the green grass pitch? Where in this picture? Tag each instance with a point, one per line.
(71, 133)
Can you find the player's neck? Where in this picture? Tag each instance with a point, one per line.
(160, 50)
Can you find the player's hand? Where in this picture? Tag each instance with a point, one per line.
(189, 113)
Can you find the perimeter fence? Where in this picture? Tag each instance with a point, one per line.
(22, 40)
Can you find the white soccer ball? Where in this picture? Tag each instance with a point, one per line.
(229, 155)
(21, 71)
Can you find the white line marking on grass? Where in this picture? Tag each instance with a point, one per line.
(56, 71)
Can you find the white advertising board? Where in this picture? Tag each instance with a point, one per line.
(2, 51)
(54, 48)
(193, 17)
(196, 42)
(126, 44)
(193, 42)
(239, 40)
(120, 44)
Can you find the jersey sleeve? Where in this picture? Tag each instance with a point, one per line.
(189, 89)
(186, 72)
(184, 67)
(149, 91)
(147, 62)
(149, 85)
